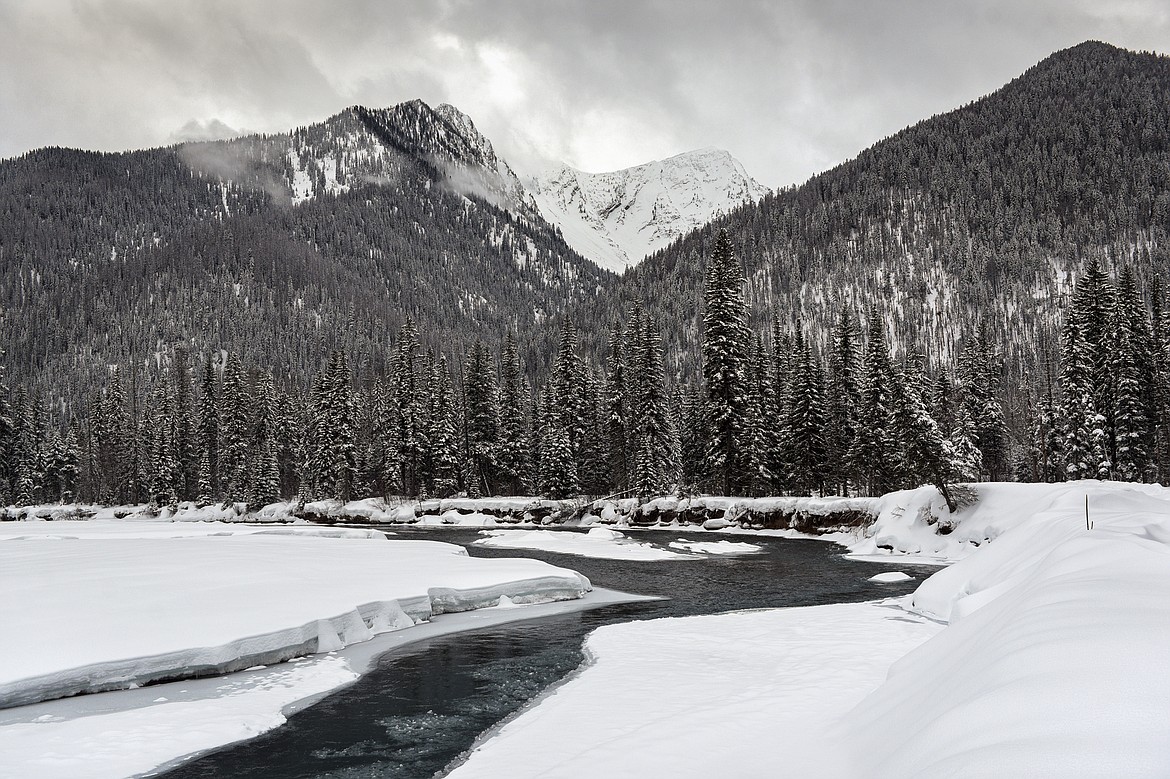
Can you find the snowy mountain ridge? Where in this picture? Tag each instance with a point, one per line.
(369, 145)
(618, 218)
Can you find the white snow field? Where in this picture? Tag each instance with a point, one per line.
(1042, 654)
(128, 732)
(597, 542)
(92, 606)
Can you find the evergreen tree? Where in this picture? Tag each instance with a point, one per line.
(806, 424)
(482, 415)
(234, 428)
(444, 455)
(725, 352)
(926, 454)
(873, 454)
(514, 450)
(841, 401)
(263, 468)
(1082, 427)
(654, 466)
(185, 445)
(557, 475)
(617, 417)
(208, 435)
(1132, 371)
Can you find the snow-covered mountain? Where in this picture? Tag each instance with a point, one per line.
(368, 146)
(617, 218)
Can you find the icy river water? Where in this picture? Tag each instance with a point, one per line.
(423, 705)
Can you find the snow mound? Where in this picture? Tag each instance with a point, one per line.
(598, 542)
(715, 547)
(890, 577)
(111, 612)
(1053, 662)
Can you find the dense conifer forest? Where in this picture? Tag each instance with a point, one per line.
(370, 307)
(761, 420)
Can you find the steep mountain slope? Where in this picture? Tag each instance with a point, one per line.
(617, 218)
(279, 247)
(983, 215)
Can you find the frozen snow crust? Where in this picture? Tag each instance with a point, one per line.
(111, 604)
(1040, 653)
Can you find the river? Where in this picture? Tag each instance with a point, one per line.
(422, 706)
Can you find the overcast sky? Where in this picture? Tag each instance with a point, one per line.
(789, 87)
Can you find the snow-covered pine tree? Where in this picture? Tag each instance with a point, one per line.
(557, 475)
(183, 413)
(979, 369)
(1093, 305)
(234, 424)
(1160, 347)
(965, 457)
(408, 399)
(444, 454)
(1081, 426)
(761, 420)
(481, 397)
(617, 410)
(113, 433)
(514, 450)
(263, 469)
(725, 342)
(927, 455)
(570, 392)
(593, 448)
(164, 476)
(806, 423)
(841, 401)
(340, 420)
(873, 455)
(7, 441)
(1134, 387)
(654, 466)
(208, 434)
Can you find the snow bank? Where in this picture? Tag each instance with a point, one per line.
(915, 524)
(597, 542)
(123, 743)
(105, 605)
(1054, 661)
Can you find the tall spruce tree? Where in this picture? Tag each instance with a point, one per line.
(725, 341)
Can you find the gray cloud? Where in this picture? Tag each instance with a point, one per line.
(790, 88)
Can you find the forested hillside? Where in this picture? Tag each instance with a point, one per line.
(983, 215)
(278, 248)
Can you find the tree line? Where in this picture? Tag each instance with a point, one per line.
(770, 414)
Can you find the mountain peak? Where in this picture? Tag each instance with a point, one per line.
(619, 217)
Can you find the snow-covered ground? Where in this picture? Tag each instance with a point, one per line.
(1042, 653)
(127, 732)
(752, 694)
(104, 605)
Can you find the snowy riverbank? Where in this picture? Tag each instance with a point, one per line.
(1039, 654)
(104, 605)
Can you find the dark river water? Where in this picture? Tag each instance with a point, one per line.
(423, 705)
